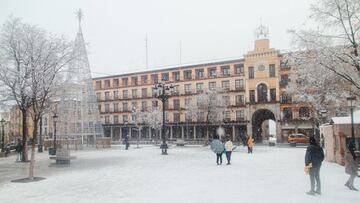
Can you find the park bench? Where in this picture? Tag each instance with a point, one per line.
(62, 157)
(180, 143)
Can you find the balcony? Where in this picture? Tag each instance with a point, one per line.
(284, 83)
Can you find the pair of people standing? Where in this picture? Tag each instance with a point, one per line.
(219, 148)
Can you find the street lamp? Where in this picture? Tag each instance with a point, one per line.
(55, 117)
(3, 134)
(350, 101)
(164, 92)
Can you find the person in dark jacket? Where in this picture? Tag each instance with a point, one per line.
(218, 148)
(18, 149)
(126, 142)
(314, 156)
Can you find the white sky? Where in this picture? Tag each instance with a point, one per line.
(115, 29)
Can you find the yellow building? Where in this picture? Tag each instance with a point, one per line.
(254, 86)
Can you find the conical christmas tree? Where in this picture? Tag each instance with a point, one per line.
(79, 116)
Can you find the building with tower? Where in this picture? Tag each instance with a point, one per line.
(253, 90)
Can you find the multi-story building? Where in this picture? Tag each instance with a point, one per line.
(254, 89)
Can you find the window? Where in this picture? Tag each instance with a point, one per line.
(239, 84)
(165, 76)
(176, 90)
(187, 75)
(144, 79)
(199, 87)
(199, 73)
(125, 94)
(116, 107)
(200, 116)
(240, 116)
(144, 105)
(155, 103)
(286, 98)
(125, 106)
(134, 93)
(176, 76)
(125, 118)
(304, 112)
(251, 72)
(226, 100)
(115, 82)
(187, 88)
(154, 92)
(284, 80)
(134, 80)
(98, 96)
(272, 70)
(226, 115)
(287, 114)
(154, 78)
(107, 96)
(239, 100)
(125, 81)
(239, 69)
(187, 102)
(212, 72)
(212, 85)
(225, 84)
(107, 120)
(107, 83)
(177, 117)
(134, 105)
(167, 104)
(272, 94)
(225, 70)
(116, 119)
(262, 93)
(144, 92)
(176, 103)
(98, 85)
(99, 107)
(116, 95)
(188, 117)
(252, 96)
(133, 118)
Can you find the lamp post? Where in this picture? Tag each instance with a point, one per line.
(3, 134)
(350, 104)
(55, 117)
(164, 92)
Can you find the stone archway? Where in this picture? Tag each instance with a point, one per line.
(258, 118)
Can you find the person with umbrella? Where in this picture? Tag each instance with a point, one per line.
(218, 148)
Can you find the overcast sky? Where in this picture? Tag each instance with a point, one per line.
(208, 30)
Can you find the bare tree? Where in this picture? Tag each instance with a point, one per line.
(333, 47)
(43, 59)
(208, 106)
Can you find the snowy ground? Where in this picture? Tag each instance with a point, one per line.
(187, 174)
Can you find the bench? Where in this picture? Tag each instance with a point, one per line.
(180, 143)
(62, 157)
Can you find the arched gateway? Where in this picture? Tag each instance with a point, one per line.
(258, 118)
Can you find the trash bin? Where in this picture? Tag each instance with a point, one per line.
(52, 151)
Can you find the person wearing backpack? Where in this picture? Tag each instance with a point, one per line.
(314, 156)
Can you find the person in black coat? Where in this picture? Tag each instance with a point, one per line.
(314, 155)
(126, 142)
(19, 149)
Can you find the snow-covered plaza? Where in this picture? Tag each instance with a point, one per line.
(187, 174)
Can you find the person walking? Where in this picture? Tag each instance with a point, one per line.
(228, 149)
(250, 144)
(351, 162)
(19, 149)
(218, 148)
(126, 142)
(314, 156)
